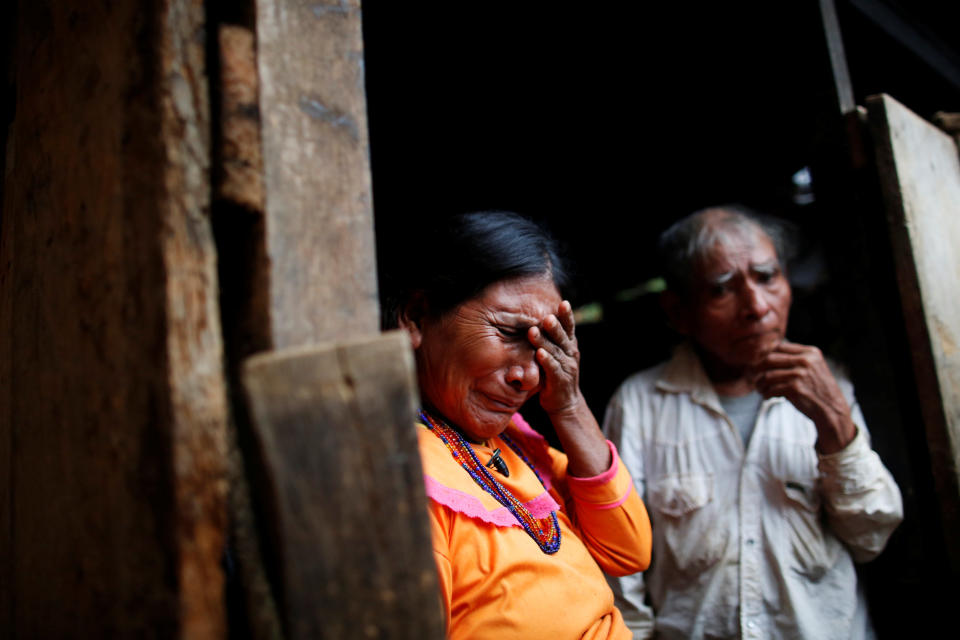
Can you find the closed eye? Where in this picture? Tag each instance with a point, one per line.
(512, 332)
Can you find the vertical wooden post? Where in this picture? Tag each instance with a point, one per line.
(113, 406)
(333, 426)
(319, 223)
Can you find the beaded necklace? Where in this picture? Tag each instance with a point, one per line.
(544, 531)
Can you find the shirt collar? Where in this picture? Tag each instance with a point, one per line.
(684, 374)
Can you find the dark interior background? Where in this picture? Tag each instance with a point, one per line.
(608, 122)
(611, 123)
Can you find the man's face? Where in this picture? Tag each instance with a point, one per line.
(738, 307)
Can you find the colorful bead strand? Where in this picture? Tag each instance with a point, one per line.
(544, 531)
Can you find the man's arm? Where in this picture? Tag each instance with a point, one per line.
(621, 426)
(863, 502)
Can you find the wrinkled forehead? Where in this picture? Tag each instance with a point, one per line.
(523, 299)
(733, 247)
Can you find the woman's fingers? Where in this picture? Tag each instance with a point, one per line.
(554, 341)
(559, 330)
(565, 315)
(550, 364)
(560, 381)
(559, 359)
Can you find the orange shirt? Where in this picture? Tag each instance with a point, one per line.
(495, 580)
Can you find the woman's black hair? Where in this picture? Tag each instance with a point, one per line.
(464, 254)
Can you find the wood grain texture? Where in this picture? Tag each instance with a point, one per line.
(194, 344)
(113, 367)
(920, 176)
(6, 417)
(319, 219)
(838, 58)
(336, 428)
(241, 180)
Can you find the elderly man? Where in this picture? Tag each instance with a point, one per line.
(751, 454)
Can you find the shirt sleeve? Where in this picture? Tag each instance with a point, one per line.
(611, 518)
(862, 500)
(621, 426)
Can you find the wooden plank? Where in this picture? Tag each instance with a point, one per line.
(920, 179)
(114, 404)
(6, 426)
(838, 58)
(196, 390)
(241, 179)
(336, 428)
(319, 220)
(238, 222)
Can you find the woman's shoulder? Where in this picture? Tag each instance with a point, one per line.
(449, 486)
(437, 461)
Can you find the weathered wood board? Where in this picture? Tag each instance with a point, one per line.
(920, 178)
(241, 170)
(319, 217)
(336, 429)
(113, 408)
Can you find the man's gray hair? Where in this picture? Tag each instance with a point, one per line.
(688, 240)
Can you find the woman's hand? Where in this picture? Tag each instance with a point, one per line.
(800, 374)
(559, 359)
(576, 427)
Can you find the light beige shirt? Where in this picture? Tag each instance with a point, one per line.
(755, 543)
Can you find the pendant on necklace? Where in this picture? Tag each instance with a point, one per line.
(498, 463)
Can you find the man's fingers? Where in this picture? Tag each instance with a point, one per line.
(779, 376)
(776, 390)
(785, 346)
(774, 360)
(791, 355)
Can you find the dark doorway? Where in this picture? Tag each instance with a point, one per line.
(611, 122)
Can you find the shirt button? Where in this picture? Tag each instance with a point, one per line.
(750, 541)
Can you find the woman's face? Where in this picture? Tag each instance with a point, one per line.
(475, 363)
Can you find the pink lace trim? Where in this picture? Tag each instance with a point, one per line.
(525, 427)
(539, 507)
